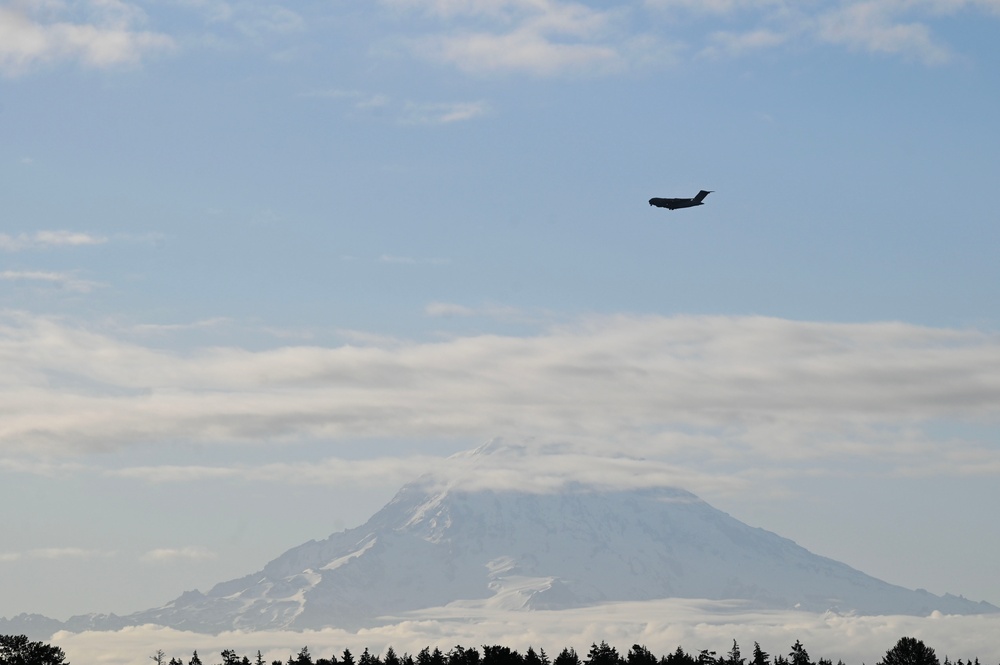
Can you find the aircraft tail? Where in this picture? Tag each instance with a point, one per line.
(701, 196)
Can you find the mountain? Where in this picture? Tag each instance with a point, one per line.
(433, 545)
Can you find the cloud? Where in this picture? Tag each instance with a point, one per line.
(737, 44)
(170, 555)
(157, 328)
(56, 553)
(540, 37)
(442, 114)
(796, 394)
(411, 261)
(661, 626)
(893, 27)
(872, 26)
(57, 279)
(407, 113)
(32, 33)
(523, 50)
(495, 312)
(47, 240)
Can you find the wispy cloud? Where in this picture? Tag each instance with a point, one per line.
(412, 261)
(47, 240)
(405, 112)
(488, 311)
(556, 37)
(541, 37)
(38, 32)
(793, 393)
(157, 328)
(442, 114)
(173, 554)
(57, 279)
(893, 27)
(56, 553)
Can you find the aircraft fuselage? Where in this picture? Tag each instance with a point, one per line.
(673, 204)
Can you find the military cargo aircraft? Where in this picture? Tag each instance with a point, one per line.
(673, 204)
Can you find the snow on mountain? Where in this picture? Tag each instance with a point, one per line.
(433, 545)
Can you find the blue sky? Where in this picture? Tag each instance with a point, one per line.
(262, 263)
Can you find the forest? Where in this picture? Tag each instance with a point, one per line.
(18, 650)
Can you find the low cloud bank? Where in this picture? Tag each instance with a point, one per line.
(659, 625)
(898, 395)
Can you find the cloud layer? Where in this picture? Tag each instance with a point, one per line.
(674, 386)
(35, 31)
(659, 625)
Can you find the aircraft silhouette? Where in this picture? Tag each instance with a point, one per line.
(673, 204)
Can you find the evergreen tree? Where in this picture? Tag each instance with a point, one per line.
(759, 655)
(531, 657)
(176, 661)
(501, 655)
(706, 657)
(734, 657)
(910, 651)
(567, 657)
(678, 657)
(602, 654)
(459, 655)
(640, 655)
(390, 657)
(368, 659)
(798, 655)
(780, 660)
(303, 657)
(195, 660)
(346, 658)
(229, 657)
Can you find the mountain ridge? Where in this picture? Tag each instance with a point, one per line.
(436, 544)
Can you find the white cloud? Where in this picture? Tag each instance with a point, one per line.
(170, 555)
(737, 44)
(541, 37)
(489, 311)
(156, 328)
(872, 26)
(661, 626)
(57, 279)
(443, 113)
(894, 27)
(411, 113)
(525, 50)
(411, 261)
(32, 33)
(57, 553)
(48, 239)
(797, 394)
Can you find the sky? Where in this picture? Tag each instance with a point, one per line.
(263, 263)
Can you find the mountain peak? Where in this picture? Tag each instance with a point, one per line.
(489, 543)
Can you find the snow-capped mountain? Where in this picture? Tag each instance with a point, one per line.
(434, 545)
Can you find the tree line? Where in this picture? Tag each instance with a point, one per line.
(18, 650)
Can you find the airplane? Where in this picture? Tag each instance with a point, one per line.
(673, 204)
